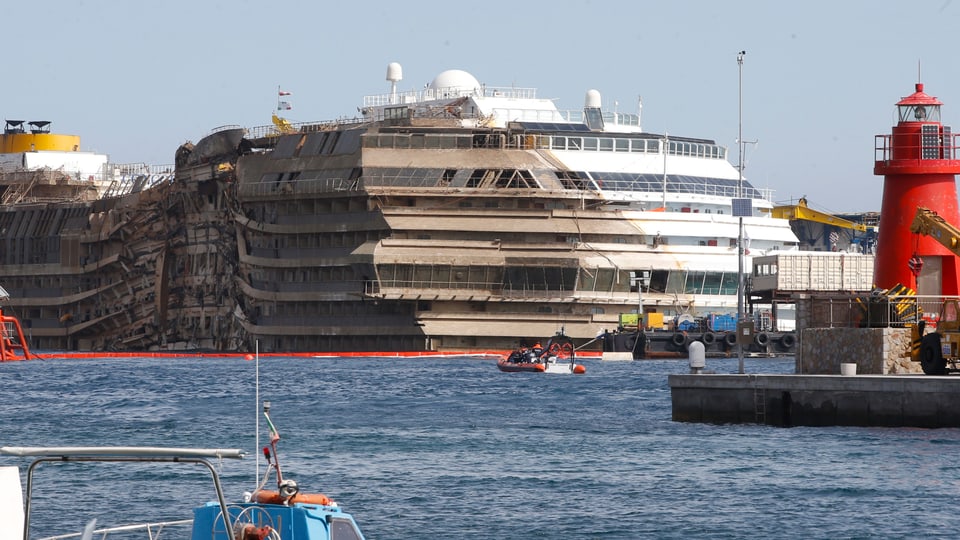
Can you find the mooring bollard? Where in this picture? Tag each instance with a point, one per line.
(698, 357)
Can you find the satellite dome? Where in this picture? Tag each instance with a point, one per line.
(592, 100)
(455, 78)
(394, 72)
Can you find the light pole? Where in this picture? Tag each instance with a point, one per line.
(740, 314)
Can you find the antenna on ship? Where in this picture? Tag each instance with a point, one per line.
(640, 113)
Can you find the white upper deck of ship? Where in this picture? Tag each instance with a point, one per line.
(488, 105)
(624, 162)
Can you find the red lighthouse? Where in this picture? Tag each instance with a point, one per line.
(918, 162)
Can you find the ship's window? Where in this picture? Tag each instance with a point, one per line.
(675, 282)
(712, 282)
(396, 113)
(313, 143)
(521, 278)
(441, 275)
(590, 143)
(348, 142)
(286, 147)
(606, 144)
(694, 282)
(476, 177)
(330, 143)
(447, 177)
(605, 279)
(728, 283)
(622, 145)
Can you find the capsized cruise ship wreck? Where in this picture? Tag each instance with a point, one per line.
(455, 217)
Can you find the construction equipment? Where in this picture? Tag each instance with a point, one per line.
(939, 350)
(929, 223)
(893, 307)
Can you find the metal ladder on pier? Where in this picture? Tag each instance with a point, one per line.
(759, 402)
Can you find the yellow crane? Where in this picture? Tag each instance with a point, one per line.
(929, 223)
(802, 211)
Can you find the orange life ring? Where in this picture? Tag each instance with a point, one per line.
(273, 497)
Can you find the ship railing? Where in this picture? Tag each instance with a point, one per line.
(135, 177)
(271, 130)
(299, 186)
(426, 287)
(412, 97)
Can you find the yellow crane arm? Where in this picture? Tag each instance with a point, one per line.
(929, 223)
(802, 211)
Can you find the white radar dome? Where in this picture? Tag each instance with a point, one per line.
(455, 78)
(592, 100)
(394, 72)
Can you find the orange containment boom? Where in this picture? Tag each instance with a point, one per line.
(13, 346)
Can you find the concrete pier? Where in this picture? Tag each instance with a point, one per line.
(817, 400)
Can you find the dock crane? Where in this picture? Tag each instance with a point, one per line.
(813, 226)
(941, 347)
(804, 212)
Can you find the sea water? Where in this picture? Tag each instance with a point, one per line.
(426, 448)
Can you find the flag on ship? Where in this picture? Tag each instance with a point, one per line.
(281, 104)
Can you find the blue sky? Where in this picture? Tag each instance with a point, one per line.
(820, 79)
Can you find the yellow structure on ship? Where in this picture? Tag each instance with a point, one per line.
(16, 138)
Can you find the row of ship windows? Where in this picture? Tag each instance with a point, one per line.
(443, 141)
(557, 279)
(335, 180)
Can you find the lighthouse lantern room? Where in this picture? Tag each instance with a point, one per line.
(918, 161)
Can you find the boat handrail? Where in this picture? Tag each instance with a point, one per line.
(107, 452)
(119, 454)
(151, 530)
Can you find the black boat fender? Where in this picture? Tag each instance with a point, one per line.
(709, 338)
(787, 341)
(730, 339)
(762, 339)
(679, 339)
